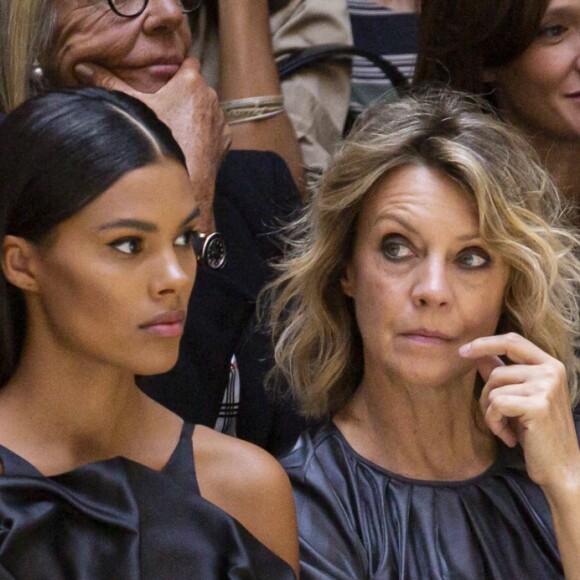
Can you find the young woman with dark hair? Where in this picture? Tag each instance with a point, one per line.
(98, 222)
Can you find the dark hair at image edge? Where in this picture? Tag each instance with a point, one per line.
(459, 39)
(59, 152)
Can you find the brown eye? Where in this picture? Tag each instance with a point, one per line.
(128, 245)
(186, 238)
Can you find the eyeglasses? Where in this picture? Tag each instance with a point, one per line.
(133, 8)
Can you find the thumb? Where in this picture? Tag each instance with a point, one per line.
(95, 75)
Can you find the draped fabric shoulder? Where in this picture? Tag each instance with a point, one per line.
(357, 520)
(117, 519)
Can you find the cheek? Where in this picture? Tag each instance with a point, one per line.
(377, 299)
(79, 297)
(91, 39)
(481, 314)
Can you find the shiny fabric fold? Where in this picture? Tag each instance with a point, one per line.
(117, 519)
(359, 521)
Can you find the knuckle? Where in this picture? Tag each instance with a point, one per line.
(513, 337)
(190, 75)
(494, 375)
(543, 407)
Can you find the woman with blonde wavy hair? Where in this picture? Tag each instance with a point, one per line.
(428, 310)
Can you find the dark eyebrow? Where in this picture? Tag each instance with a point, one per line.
(195, 213)
(560, 11)
(410, 228)
(141, 225)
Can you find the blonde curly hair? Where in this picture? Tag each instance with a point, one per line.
(318, 347)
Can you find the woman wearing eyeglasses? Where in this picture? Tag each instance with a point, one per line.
(141, 47)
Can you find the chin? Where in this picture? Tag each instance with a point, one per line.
(143, 82)
(155, 366)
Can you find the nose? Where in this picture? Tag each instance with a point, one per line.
(163, 16)
(577, 50)
(432, 286)
(173, 274)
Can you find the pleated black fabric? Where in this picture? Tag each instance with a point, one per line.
(117, 519)
(357, 520)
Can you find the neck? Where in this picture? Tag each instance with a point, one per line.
(80, 410)
(431, 433)
(562, 161)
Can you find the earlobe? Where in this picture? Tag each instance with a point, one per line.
(346, 281)
(17, 263)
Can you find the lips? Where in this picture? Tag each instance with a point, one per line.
(427, 336)
(157, 70)
(167, 324)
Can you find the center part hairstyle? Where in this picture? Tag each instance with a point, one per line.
(459, 39)
(318, 349)
(59, 152)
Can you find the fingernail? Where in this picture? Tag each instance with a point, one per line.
(84, 72)
(465, 348)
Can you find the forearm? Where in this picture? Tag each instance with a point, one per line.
(248, 69)
(564, 501)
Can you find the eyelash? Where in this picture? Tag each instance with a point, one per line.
(551, 31)
(400, 241)
(137, 243)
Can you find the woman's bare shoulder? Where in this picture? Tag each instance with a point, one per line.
(251, 486)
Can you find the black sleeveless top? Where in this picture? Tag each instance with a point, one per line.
(117, 519)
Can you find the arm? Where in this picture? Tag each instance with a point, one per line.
(190, 109)
(528, 403)
(248, 69)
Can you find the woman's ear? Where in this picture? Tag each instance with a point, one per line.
(347, 280)
(18, 263)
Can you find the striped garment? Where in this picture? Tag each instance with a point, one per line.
(393, 35)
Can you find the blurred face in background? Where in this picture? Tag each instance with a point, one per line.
(539, 91)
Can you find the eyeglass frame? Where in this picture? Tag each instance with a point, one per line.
(144, 7)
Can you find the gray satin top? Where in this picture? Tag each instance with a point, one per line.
(357, 520)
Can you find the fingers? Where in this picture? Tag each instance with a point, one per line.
(500, 426)
(504, 376)
(95, 75)
(487, 364)
(512, 345)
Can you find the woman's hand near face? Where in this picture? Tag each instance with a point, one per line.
(528, 403)
(190, 108)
